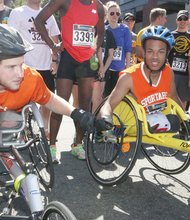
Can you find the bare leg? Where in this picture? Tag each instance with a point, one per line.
(97, 95)
(85, 87)
(64, 88)
(75, 96)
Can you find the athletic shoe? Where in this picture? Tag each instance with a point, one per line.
(53, 151)
(78, 152)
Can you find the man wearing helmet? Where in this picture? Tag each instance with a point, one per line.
(150, 82)
(20, 84)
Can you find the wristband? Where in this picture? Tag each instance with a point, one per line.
(53, 60)
(54, 46)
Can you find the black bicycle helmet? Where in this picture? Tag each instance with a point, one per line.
(158, 33)
(12, 43)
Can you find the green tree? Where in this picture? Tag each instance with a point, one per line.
(57, 15)
(17, 3)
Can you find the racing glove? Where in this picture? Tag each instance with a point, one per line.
(104, 123)
(85, 119)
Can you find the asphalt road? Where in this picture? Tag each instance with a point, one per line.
(146, 195)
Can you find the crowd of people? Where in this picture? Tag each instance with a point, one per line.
(93, 55)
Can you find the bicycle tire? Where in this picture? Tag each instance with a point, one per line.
(39, 151)
(114, 169)
(169, 160)
(57, 210)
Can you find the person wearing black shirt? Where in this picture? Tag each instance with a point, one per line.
(179, 57)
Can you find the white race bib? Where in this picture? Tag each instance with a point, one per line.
(117, 55)
(83, 35)
(179, 64)
(36, 37)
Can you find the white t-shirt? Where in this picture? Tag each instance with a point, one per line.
(22, 19)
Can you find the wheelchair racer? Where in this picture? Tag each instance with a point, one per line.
(20, 84)
(150, 82)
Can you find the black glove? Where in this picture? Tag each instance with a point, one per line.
(86, 119)
(104, 123)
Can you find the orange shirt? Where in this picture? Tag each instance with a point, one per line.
(32, 89)
(152, 98)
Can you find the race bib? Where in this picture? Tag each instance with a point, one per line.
(179, 64)
(83, 35)
(36, 38)
(117, 55)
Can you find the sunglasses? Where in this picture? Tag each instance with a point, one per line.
(182, 19)
(113, 13)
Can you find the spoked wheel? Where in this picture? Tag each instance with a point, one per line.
(40, 151)
(109, 156)
(58, 211)
(169, 160)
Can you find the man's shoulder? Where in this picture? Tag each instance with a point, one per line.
(132, 69)
(176, 32)
(30, 72)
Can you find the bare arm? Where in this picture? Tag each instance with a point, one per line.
(60, 106)
(109, 59)
(127, 59)
(103, 68)
(122, 88)
(52, 7)
(100, 27)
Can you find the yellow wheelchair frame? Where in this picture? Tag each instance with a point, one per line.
(166, 139)
(110, 160)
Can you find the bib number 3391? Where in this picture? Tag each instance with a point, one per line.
(83, 35)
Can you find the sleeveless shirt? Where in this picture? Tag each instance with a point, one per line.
(152, 97)
(78, 30)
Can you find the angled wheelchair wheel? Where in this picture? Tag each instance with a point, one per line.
(57, 210)
(110, 158)
(39, 151)
(169, 160)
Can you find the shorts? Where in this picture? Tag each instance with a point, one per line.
(181, 82)
(71, 69)
(49, 79)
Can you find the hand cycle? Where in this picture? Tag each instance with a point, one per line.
(111, 155)
(32, 129)
(24, 176)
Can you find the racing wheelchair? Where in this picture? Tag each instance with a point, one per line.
(111, 154)
(30, 128)
(23, 134)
